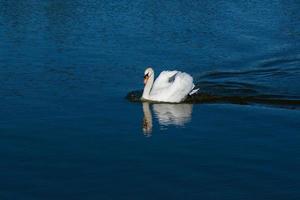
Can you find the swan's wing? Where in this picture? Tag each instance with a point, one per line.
(164, 80)
(173, 88)
(181, 87)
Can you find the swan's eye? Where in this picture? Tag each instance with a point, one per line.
(146, 76)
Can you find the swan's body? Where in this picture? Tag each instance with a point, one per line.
(170, 86)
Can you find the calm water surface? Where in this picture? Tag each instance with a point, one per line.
(67, 131)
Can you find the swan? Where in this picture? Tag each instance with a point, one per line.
(169, 86)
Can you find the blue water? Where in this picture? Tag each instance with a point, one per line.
(68, 132)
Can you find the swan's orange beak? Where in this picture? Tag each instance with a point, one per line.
(146, 77)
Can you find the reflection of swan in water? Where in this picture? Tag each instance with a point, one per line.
(167, 114)
(169, 86)
(176, 114)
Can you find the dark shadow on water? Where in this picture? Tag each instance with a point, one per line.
(204, 97)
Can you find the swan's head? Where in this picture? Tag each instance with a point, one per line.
(147, 74)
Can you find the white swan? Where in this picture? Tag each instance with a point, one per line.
(170, 86)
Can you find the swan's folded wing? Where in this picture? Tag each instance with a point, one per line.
(181, 87)
(172, 86)
(164, 80)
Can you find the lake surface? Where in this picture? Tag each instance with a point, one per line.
(68, 132)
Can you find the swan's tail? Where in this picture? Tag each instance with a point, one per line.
(194, 91)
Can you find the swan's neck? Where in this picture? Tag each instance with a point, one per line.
(148, 87)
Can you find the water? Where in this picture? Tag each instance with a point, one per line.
(68, 132)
